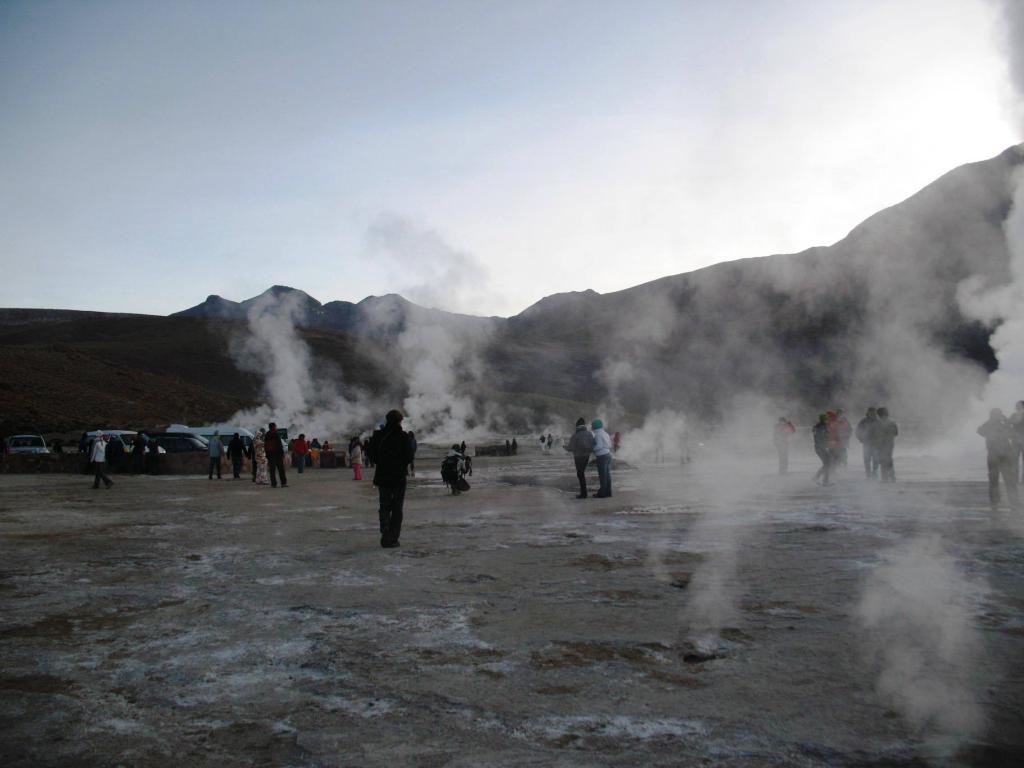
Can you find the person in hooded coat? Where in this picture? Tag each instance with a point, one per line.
(581, 445)
(391, 454)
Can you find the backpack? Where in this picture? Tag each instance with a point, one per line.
(450, 470)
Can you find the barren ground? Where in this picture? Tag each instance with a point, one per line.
(179, 621)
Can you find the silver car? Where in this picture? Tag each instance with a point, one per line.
(25, 444)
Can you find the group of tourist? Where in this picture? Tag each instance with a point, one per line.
(581, 445)
(831, 435)
(1004, 444)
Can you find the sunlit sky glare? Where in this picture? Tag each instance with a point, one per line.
(152, 153)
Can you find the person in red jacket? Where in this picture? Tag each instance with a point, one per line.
(300, 449)
(783, 430)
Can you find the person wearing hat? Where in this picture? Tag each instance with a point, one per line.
(581, 445)
(98, 457)
(391, 454)
(603, 452)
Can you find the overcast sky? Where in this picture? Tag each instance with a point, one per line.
(475, 156)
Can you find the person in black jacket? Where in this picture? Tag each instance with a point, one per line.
(275, 456)
(236, 452)
(580, 446)
(392, 454)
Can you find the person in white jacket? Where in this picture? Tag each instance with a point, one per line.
(603, 452)
(98, 457)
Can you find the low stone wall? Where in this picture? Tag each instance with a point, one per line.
(170, 464)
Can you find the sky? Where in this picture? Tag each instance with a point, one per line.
(472, 156)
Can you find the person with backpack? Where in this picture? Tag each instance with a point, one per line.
(581, 445)
(1002, 447)
(389, 447)
(453, 469)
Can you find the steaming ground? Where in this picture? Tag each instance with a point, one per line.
(188, 622)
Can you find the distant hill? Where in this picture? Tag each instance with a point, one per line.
(870, 319)
(63, 372)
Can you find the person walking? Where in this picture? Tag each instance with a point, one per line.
(300, 449)
(236, 453)
(274, 448)
(784, 429)
(98, 457)
(821, 447)
(1003, 448)
(603, 453)
(581, 445)
(453, 469)
(356, 460)
(216, 448)
(886, 442)
(259, 458)
(390, 450)
(867, 434)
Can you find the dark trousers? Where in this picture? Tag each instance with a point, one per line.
(100, 467)
(604, 475)
(275, 463)
(153, 463)
(215, 464)
(870, 462)
(392, 497)
(1007, 467)
(885, 464)
(581, 472)
(236, 466)
(138, 463)
(299, 461)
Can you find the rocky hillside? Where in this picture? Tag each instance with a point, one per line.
(870, 319)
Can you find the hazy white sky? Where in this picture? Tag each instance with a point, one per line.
(475, 156)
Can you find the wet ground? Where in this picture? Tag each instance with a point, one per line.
(692, 619)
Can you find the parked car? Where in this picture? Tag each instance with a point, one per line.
(25, 444)
(125, 436)
(179, 442)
